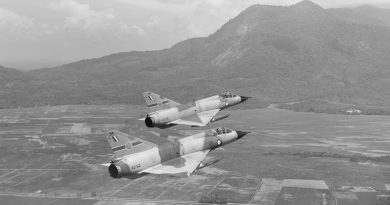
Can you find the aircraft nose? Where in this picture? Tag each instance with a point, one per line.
(244, 98)
(241, 134)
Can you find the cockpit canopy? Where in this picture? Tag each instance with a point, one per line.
(220, 131)
(228, 95)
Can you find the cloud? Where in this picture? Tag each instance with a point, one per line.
(350, 3)
(11, 21)
(153, 22)
(197, 18)
(81, 15)
(136, 29)
(172, 6)
(197, 30)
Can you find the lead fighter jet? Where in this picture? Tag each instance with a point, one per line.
(168, 112)
(182, 155)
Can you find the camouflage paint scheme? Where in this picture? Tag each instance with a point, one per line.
(184, 155)
(198, 114)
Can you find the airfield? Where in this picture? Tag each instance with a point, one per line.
(52, 155)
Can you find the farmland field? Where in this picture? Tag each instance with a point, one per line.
(53, 155)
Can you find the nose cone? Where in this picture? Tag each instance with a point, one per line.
(244, 98)
(241, 134)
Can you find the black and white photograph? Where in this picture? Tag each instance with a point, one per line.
(268, 102)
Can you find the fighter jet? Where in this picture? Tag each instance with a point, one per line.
(183, 155)
(198, 114)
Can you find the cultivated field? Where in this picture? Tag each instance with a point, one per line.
(53, 155)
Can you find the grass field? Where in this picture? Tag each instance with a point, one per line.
(337, 148)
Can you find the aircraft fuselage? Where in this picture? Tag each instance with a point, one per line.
(162, 117)
(140, 161)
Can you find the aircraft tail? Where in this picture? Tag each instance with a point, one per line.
(123, 144)
(154, 100)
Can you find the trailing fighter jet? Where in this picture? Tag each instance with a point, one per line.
(182, 155)
(168, 112)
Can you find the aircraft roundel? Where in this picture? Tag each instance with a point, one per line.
(128, 145)
(219, 142)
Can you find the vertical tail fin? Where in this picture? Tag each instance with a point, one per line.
(154, 100)
(123, 144)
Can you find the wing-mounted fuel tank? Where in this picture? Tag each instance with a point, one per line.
(215, 119)
(208, 162)
(160, 118)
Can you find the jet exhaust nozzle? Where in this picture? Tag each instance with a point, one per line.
(149, 121)
(117, 170)
(244, 98)
(241, 134)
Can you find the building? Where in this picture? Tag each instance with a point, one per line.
(353, 112)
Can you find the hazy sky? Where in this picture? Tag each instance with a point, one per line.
(40, 33)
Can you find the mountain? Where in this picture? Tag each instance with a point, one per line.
(14, 87)
(276, 54)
